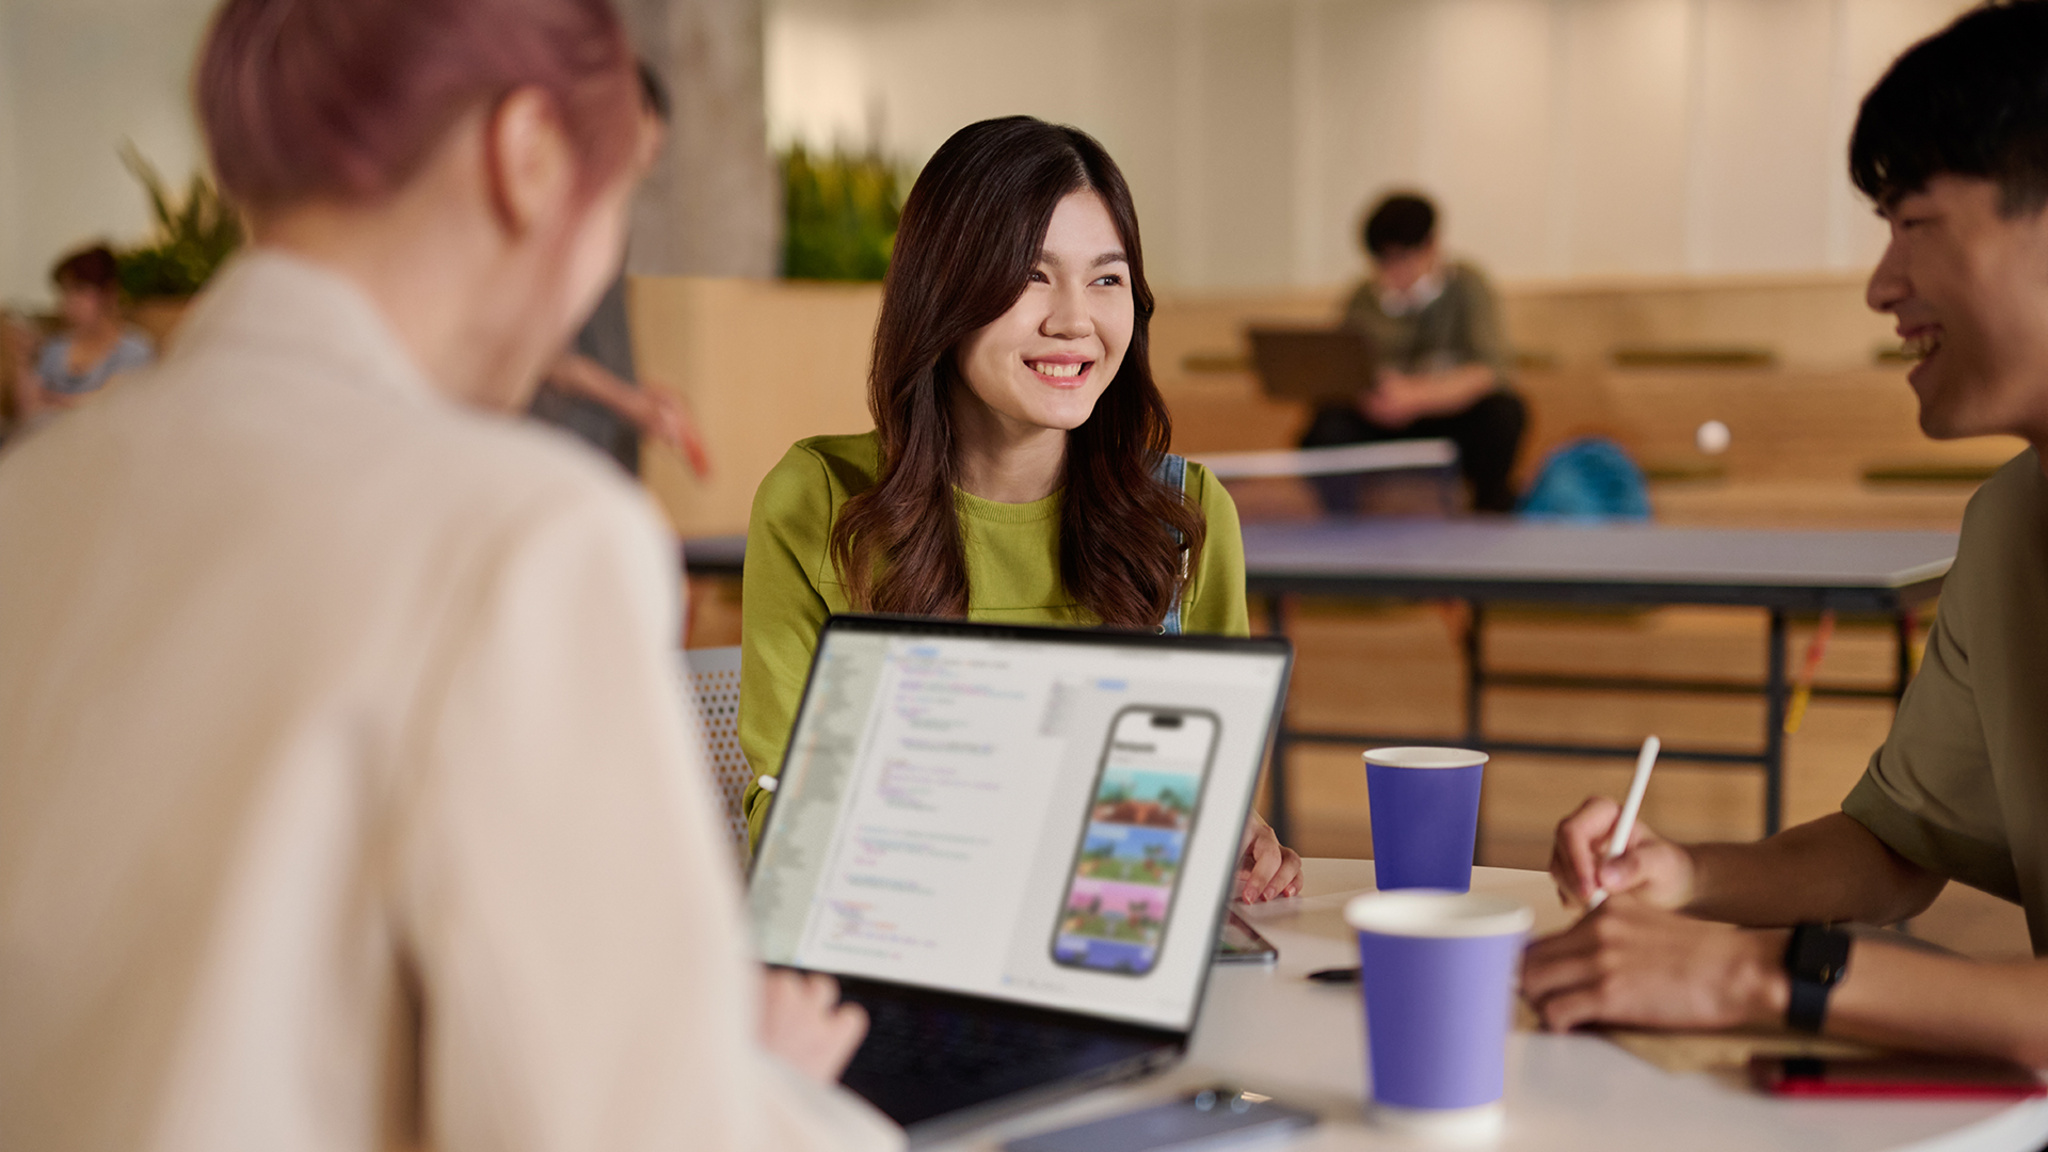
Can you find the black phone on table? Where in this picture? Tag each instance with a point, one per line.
(1900, 1075)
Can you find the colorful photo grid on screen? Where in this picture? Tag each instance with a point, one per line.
(1115, 913)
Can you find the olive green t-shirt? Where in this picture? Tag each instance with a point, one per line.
(791, 585)
(1960, 786)
(1461, 326)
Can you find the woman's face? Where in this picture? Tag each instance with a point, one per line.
(82, 305)
(1045, 362)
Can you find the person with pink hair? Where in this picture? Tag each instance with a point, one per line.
(345, 799)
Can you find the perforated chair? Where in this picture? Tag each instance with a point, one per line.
(711, 680)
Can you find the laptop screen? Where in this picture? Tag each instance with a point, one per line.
(1026, 814)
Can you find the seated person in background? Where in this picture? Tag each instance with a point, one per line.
(1443, 364)
(1018, 468)
(94, 345)
(1952, 144)
(346, 802)
(593, 391)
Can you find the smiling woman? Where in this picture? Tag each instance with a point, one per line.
(1018, 470)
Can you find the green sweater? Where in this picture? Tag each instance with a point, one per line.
(1013, 576)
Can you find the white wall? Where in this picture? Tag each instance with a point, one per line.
(77, 77)
(1563, 137)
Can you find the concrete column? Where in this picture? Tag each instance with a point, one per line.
(712, 206)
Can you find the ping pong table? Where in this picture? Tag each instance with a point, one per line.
(1485, 561)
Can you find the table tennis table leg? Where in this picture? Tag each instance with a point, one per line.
(1276, 781)
(1475, 674)
(1774, 727)
(1902, 634)
(1475, 703)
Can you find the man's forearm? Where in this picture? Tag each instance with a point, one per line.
(1453, 390)
(1909, 998)
(1828, 869)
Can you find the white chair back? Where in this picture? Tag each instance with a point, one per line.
(711, 677)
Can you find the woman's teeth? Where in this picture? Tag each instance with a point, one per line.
(1058, 371)
(1921, 346)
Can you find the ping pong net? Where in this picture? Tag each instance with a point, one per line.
(1394, 477)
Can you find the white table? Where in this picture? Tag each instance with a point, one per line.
(1270, 1030)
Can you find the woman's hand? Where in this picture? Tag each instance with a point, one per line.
(665, 419)
(1652, 869)
(803, 1022)
(1266, 869)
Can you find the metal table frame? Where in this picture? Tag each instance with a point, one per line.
(1780, 602)
(1275, 586)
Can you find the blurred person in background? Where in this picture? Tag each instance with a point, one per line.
(594, 391)
(93, 346)
(345, 798)
(1444, 370)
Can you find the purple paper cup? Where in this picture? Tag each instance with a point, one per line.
(1438, 974)
(1425, 816)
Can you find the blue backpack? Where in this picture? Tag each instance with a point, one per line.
(1588, 479)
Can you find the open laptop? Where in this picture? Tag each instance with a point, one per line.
(1013, 846)
(1319, 365)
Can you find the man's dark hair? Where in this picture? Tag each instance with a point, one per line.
(1399, 223)
(1970, 100)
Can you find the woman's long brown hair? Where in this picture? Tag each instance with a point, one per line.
(971, 234)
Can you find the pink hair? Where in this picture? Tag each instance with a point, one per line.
(346, 99)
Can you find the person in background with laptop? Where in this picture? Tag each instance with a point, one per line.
(346, 800)
(1018, 471)
(1444, 370)
(1952, 145)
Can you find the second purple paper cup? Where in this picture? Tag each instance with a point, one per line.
(1438, 974)
(1425, 816)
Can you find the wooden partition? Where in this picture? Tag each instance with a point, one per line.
(1791, 364)
(1797, 367)
(762, 364)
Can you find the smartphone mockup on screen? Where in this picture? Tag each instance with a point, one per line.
(1147, 793)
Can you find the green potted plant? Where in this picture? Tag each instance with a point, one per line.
(194, 236)
(839, 214)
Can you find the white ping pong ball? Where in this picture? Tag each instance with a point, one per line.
(1712, 438)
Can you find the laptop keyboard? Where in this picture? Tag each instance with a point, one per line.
(924, 1040)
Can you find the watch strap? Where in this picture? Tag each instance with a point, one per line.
(1816, 957)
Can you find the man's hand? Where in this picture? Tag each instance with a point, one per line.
(1652, 869)
(1395, 401)
(803, 1022)
(1266, 869)
(1629, 963)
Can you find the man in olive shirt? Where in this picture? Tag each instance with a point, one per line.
(1953, 146)
(1443, 365)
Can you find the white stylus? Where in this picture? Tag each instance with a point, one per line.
(1626, 826)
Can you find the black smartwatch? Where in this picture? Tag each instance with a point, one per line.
(1816, 957)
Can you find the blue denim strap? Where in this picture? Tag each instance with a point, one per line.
(1172, 471)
